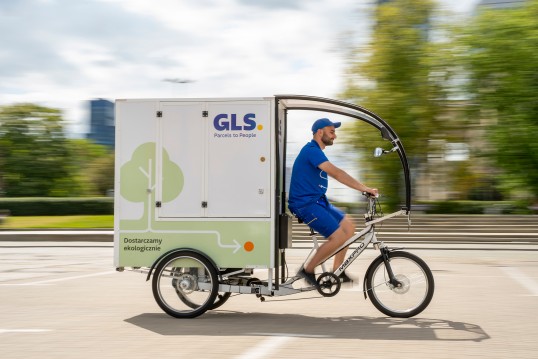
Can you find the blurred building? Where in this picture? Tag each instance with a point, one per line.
(102, 123)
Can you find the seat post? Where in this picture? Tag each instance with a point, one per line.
(314, 237)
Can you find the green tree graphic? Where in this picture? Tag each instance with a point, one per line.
(138, 176)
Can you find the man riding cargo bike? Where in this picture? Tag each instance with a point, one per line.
(308, 200)
(201, 190)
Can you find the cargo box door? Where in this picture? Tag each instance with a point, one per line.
(180, 157)
(239, 159)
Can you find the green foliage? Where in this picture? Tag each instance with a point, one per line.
(54, 222)
(38, 206)
(394, 80)
(37, 160)
(101, 174)
(501, 58)
(94, 167)
(34, 157)
(435, 86)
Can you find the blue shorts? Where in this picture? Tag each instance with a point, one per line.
(321, 216)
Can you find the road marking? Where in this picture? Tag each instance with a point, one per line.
(291, 335)
(41, 282)
(4, 331)
(520, 277)
(273, 343)
(265, 348)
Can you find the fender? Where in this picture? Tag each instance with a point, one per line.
(163, 256)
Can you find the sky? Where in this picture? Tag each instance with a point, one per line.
(62, 53)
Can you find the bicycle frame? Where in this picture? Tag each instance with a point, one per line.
(369, 237)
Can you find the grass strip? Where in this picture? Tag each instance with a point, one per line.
(53, 222)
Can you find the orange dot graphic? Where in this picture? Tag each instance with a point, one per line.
(249, 246)
(260, 127)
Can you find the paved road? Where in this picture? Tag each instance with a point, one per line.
(64, 300)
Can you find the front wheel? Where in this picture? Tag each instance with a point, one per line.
(185, 284)
(414, 289)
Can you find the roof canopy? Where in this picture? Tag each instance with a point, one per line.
(312, 103)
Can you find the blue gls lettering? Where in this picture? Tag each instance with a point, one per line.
(250, 124)
(222, 122)
(221, 125)
(235, 127)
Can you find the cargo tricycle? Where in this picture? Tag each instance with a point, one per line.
(200, 205)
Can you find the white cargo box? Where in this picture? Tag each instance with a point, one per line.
(195, 174)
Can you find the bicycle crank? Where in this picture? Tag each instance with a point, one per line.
(328, 284)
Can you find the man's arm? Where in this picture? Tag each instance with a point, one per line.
(343, 177)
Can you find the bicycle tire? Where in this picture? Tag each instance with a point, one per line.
(220, 299)
(412, 297)
(185, 284)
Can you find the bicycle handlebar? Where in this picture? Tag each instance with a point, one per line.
(369, 195)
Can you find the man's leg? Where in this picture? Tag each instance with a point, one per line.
(339, 237)
(349, 228)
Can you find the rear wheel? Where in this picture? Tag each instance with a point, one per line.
(220, 299)
(185, 284)
(414, 289)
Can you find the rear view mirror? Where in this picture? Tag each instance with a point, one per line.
(378, 152)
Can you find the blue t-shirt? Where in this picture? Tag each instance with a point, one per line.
(308, 182)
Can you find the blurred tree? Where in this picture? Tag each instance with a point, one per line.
(396, 76)
(501, 55)
(34, 157)
(102, 174)
(463, 180)
(94, 166)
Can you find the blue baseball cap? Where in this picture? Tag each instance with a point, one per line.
(324, 122)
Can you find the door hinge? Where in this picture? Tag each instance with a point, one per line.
(205, 113)
(158, 204)
(159, 114)
(204, 204)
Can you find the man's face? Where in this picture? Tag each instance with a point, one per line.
(328, 136)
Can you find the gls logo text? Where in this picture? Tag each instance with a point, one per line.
(228, 122)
